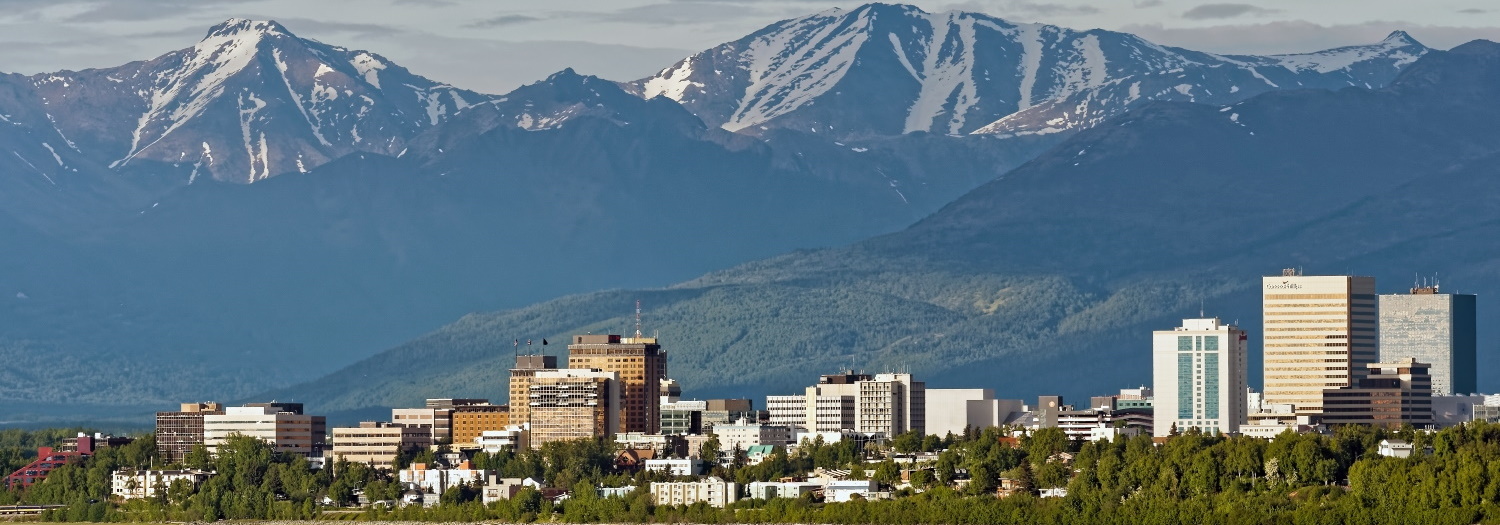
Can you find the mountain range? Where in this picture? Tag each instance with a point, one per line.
(260, 209)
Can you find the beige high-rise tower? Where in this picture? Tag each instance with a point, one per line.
(1320, 333)
(641, 364)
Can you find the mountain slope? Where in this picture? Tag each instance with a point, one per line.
(225, 284)
(890, 69)
(249, 101)
(1061, 268)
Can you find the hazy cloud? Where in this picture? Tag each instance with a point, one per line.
(1214, 11)
(503, 20)
(137, 11)
(1302, 37)
(1024, 9)
(1473, 11)
(1139, 4)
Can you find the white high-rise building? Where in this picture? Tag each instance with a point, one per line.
(1199, 377)
(1320, 333)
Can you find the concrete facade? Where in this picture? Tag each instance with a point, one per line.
(282, 425)
(1200, 377)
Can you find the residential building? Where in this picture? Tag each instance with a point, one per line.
(377, 443)
(520, 384)
(178, 432)
(787, 489)
(742, 435)
(1320, 332)
(641, 365)
(712, 490)
(1435, 328)
(282, 425)
(47, 460)
(676, 467)
(951, 410)
(1200, 377)
(891, 404)
(512, 438)
(843, 490)
(436, 481)
(141, 484)
(574, 403)
(471, 421)
(1395, 448)
(1388, 395)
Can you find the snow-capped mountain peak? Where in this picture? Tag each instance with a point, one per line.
(240, 26)
(882, 69)
(249, 101)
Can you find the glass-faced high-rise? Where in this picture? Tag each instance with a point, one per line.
(1435, 328)
(1199, 377)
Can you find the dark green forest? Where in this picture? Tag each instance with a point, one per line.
(1191, 478)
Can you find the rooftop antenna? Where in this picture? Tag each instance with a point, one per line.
(637, 318)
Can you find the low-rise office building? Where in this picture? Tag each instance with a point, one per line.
(281, 425)
(177, 433)
(377, 443)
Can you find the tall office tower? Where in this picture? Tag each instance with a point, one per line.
(831, 405)
(642, 366)
(282, 425)
(178, 432)
(891, 404)
(1435, 328)
(520, 384)
(1320, 334)
(1199, 376)
(574, 403)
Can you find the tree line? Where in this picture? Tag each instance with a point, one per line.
(1190, 478)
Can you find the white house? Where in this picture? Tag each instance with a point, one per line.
(842, 490)
(1395, 448)
(438, 481)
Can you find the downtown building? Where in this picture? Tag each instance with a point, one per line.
(376, 443)
(281, 425)
(1320, 333)
(1434, 328)
(177, 433)
(572, 403)
(886, 404)
(641, 366)
(1200, 377)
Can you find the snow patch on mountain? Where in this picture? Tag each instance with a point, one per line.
(792, 67)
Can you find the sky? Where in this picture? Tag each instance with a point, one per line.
(495, 46)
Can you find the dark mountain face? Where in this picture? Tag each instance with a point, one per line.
(564, 186)
(1061, 268)
(880, 70)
